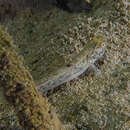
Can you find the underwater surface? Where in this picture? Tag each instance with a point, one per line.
(50, 38)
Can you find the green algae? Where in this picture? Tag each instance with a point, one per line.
(19, 90)
(8, 117)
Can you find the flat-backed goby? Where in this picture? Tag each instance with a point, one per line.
(86, 61)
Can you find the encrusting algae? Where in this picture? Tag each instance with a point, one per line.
(34, 111)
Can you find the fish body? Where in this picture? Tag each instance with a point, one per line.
(82, 64)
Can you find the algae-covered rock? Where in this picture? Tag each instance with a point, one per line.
(17, 86)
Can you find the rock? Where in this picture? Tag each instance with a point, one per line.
(74, 5)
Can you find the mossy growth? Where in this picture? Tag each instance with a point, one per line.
(34, 111)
